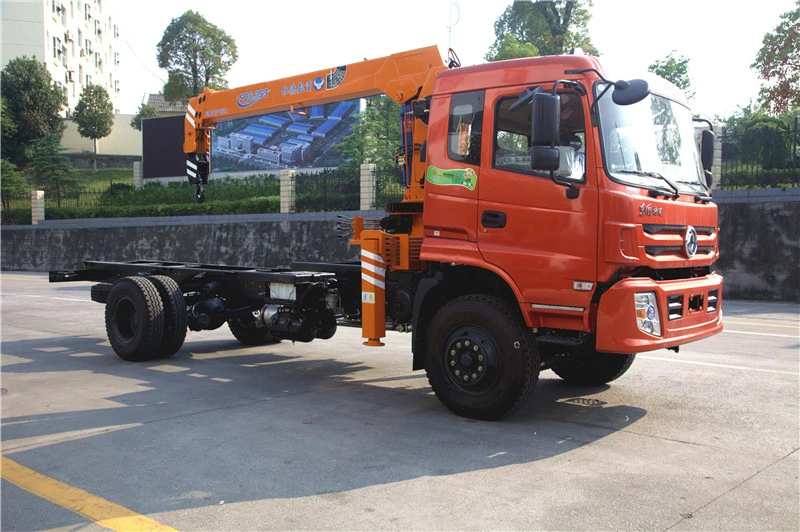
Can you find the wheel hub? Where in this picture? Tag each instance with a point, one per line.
(466, 360)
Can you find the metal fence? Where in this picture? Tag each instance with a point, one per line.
(74, 198)
(52, 199)
(389, 186)
(329, 190)
(761, 157)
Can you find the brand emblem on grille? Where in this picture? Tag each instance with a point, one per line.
(690, 241)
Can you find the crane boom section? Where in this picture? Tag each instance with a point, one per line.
(402, 76)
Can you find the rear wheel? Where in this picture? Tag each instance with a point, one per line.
(135, 319)
(480, 359)
(174, 315)
(247, 333)
(590, 368)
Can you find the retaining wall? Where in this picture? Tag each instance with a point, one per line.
(759, 242)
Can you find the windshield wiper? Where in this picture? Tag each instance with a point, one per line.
(673, 186)
(702, 196)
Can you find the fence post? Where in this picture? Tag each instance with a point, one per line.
(37, 206)
(368, 188)
(287, 191)
(138, 179)
(716, 170)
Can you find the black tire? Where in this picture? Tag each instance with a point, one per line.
(480, 359)
(135, 319)
(175, 317)
(249, 334)
(99, 292)
(590, 368)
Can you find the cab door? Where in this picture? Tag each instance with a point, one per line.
(527, 226)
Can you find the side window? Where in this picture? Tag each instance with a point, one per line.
(464, 131)
(512, 137)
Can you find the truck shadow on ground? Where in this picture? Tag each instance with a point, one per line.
(220, 422)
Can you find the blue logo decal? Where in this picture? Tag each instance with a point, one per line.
(246, 99)
(319, 83)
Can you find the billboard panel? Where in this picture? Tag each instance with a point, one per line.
(162, 147)
(284, 140)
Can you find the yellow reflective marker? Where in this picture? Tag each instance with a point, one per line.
(105, 513)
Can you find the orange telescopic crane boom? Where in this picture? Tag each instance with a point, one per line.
(403, 77)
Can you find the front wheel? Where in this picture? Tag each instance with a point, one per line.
(590, 368)
(480, 359)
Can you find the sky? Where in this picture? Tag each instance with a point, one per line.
(278, 38)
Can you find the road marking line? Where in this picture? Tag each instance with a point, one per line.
(760, 324)
(725, 366)
(761, 334)
(46, 297)
(105, 513)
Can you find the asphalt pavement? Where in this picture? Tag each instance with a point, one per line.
(333, 435)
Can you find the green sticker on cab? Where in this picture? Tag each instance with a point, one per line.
(466, 178)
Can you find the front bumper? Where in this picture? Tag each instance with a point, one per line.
(689, 310)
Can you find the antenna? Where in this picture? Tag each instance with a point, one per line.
(450, 26)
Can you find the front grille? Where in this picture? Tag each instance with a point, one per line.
(713, 300)
(667, 241)
(675, 307)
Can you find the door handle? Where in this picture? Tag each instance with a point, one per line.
(493, 219)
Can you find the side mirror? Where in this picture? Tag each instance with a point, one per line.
(544, 158)
(630, 92)
(707, 149)
(545, 119)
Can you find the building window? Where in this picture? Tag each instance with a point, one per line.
(58, 51)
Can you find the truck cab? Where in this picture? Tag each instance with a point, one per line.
(611, 244)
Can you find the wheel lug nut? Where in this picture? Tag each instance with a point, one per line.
(458, 372)
(475, 348)
(466, 377)
(480, 357)
(458, 345)
(480, 368)
(466, 343)
(474, 375)
(453, 352)
(452, 363)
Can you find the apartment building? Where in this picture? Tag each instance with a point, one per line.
(76, 39)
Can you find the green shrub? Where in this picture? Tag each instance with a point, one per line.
(225, 189)
(16, 216)
(247, 206)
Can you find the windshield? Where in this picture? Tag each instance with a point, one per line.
(652, 138)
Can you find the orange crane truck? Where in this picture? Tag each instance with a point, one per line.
(552, 219)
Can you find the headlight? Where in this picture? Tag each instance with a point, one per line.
(647, 318)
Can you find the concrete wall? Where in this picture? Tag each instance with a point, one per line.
(759, 242)
(123, 140)
(267, 240)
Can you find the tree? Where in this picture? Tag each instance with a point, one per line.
(549, 27)
(778, 64)
(94, 114)
(12, 182)
(196, 54)
(49, 169)
(8, 129)
(376, 136)
(675, 69)
(509, 47)
(33, 104)
(145, 111)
